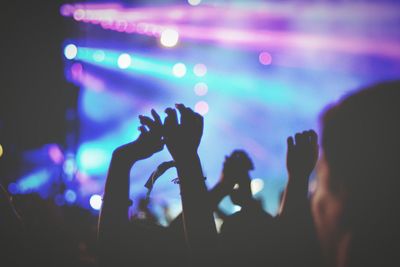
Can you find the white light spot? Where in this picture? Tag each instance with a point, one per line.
(95, 202)
(169, 38)
(194, 2)
(256, 185)
(124, 61)
(70, 51)
(179, 70)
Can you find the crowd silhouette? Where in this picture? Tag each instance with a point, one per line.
(350, 219)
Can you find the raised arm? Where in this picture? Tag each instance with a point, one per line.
(113, 221)
(302, 155)
(182, 140)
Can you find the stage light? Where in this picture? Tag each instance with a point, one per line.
(201, 107)
(169, 38)
(70, 196)
(194, 2)
(99, 55)
(69, 165)
(1, 150)
(124, 61)
(201, 89)
(56, 154)
(96, 202)
(79, 14)
(70, 51)
(200, 70)
(256, 185)
(265, 58)
(33, 181)
(179, 70)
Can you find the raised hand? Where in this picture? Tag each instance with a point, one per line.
(302, 153)
(149, 141)
(182, 139)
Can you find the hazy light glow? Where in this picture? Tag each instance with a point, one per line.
(96, 202)
(169, 38)
(194, 2)
(56, 154)
(124, 61)
(33, 181)
(70, 51)
(201, 107)
(159, 21)
(70, 196)
(256, 185)
(200, 70)
(1, 150)
(179, 70)
(99, 55)
(201, 89)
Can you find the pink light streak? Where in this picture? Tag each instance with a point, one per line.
(152, 21)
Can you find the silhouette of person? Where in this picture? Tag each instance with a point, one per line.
(357, 199)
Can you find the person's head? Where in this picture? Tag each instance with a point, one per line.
(238, 165)
(358, 191)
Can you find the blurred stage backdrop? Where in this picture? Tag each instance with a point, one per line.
(258, 71)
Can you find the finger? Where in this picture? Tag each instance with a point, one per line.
(313, 137)
(142, 129)
(156, 117)
(185, 113)
(303, 140)
(171, 120)
(297, 138)
(290, 143)
(147, 121)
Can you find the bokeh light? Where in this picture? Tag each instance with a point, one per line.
(194, 2)
(1, 150)
(95, 202)
(70, 51)
(200, 70)
(169, 38)
(201, 107)
(265, 58)
(201, 89)
(70, 196)
(179, 70)
(124, 61)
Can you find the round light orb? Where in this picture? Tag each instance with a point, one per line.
(200, 70)
(201, 107)
(95, 202)
(169, 38)
(194, 2)
(124, 61)
(70, 51)
(179, 70)
(201, 89)
(265, 58)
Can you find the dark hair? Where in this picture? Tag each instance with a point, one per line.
(361, 143)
